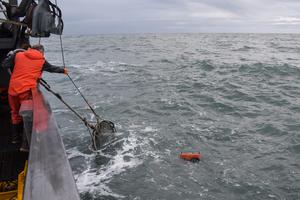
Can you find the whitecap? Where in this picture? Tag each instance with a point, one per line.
(149, 129)
(95, 181)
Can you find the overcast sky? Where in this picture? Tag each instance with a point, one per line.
(156, 16)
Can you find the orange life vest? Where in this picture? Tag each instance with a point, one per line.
(27, 70)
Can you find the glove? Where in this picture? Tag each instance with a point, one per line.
(66, 71)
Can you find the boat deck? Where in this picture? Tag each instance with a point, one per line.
(11, 159)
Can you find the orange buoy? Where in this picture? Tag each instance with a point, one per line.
(191, 156)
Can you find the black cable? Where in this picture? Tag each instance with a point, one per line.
(88, 125)
(64, 64)
(48, 88)
(97, 116)
(63, 58)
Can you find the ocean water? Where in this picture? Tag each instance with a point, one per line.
(233, 97)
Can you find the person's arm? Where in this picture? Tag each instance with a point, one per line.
(52, 68)
(9, 62)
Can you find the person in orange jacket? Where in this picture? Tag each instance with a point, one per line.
(27, 70)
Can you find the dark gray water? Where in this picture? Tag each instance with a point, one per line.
(234, 97)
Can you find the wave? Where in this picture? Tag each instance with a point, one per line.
(95, 180)
(245, 48)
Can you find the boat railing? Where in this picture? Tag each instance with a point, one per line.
(49, 174)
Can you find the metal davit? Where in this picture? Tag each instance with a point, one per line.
(49, 174)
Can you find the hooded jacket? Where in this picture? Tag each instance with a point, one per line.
(28, 67)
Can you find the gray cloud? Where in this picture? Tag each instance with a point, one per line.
(117, 16)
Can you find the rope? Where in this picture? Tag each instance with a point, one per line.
(88, 125)
(48, 88)
(64, 64)
(97, 116)
(96, 129)
(93, 138)
(86, 101)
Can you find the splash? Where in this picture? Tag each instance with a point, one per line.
(95, 181)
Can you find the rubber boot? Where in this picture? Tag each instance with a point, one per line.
(24, 147)
(17, 129)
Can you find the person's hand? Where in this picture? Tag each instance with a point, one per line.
(66, 71)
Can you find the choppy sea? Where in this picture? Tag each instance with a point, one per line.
(233, 97)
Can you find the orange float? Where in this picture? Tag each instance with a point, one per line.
(191, 156)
